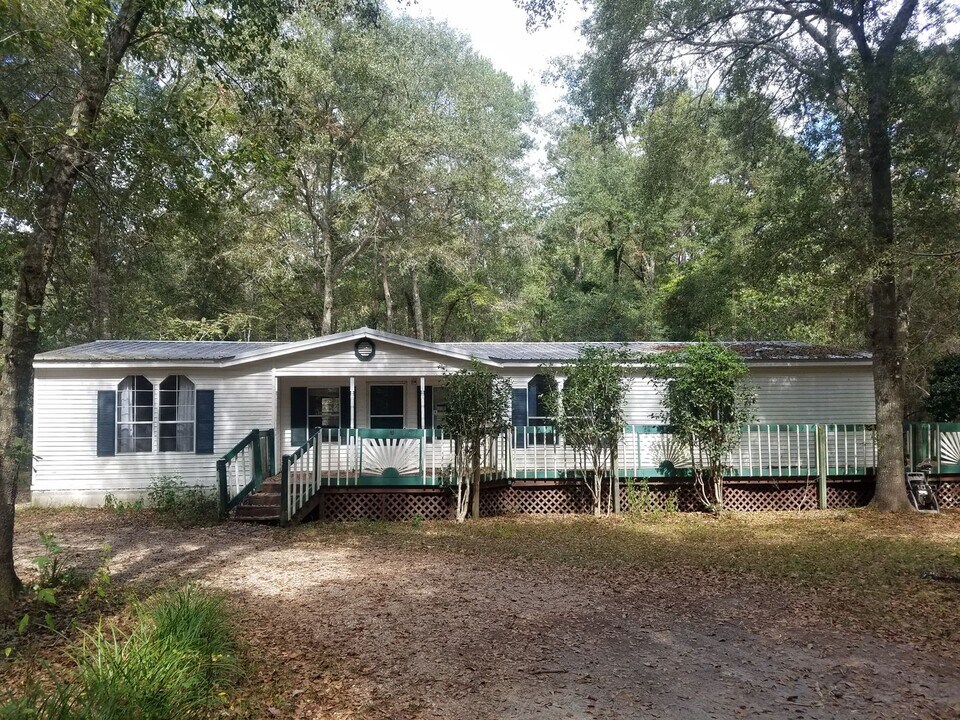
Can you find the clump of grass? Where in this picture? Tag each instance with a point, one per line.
(177, 661)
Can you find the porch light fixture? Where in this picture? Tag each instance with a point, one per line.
(365, 349)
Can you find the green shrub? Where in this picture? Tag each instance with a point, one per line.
(176, 662)
(640, 501)
(186, 504)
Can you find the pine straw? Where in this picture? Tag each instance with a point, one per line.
(897, 575)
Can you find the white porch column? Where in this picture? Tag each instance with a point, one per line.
(423, 402)
(353, 402)
(423, 429)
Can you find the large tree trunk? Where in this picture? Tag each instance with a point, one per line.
(887, 322)
(387, 296)
(329, 280)
(417, 305)
(39, 251)
(99, 290)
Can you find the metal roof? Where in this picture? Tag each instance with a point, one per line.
(499, 352)
(155, 350)
(560, 351)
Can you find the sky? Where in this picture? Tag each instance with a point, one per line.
(498, 32)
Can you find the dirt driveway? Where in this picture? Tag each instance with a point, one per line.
(351, 625)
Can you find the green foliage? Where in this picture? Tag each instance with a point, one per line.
(182, 503)
(640, 502)
(120, 507)
(589, 411)
(478, 411)
(53, 577)
(478, 403)
(706, 401)
(943, 402)
(50, 568)
(178, 660)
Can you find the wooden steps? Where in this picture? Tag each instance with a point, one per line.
(262, 505)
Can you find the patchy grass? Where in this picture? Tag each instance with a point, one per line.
(889, 573)
(173, 657)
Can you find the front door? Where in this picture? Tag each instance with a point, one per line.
(386, 406)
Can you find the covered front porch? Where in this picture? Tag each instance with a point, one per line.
(332, 405)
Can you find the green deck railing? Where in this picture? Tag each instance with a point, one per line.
(244, 468)
(936, 445)
(422, 458)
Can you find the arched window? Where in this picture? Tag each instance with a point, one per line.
(134, 415)
(178, 414)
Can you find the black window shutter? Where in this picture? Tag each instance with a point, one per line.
(428, 402)
(519, 414)
(298, 416)
(204, 422)
(106, 423)
(344, 413)
(345, 406)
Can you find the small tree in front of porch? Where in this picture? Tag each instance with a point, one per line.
(589, 413)
(478, 410)
(706, 402)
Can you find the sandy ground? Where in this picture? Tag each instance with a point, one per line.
(353, 627)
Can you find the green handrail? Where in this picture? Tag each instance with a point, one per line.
(259, 470)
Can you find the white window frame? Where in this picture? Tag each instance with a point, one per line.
(339, 413)
(119, 422)
(403, 409)
(160, 423)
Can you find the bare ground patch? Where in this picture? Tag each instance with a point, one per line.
(522, 619)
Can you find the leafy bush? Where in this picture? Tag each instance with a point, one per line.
(590, 414)
(640, 502)
(176, 662)
(943, 402)
(478, 408)
(50, 568)
(186, 504)
(706, 401)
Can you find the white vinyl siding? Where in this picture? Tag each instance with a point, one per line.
(65, 430)
(390, 361)
(797, 394)
(839, 394)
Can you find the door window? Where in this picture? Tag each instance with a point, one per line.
(386, 406)
(323, 409)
